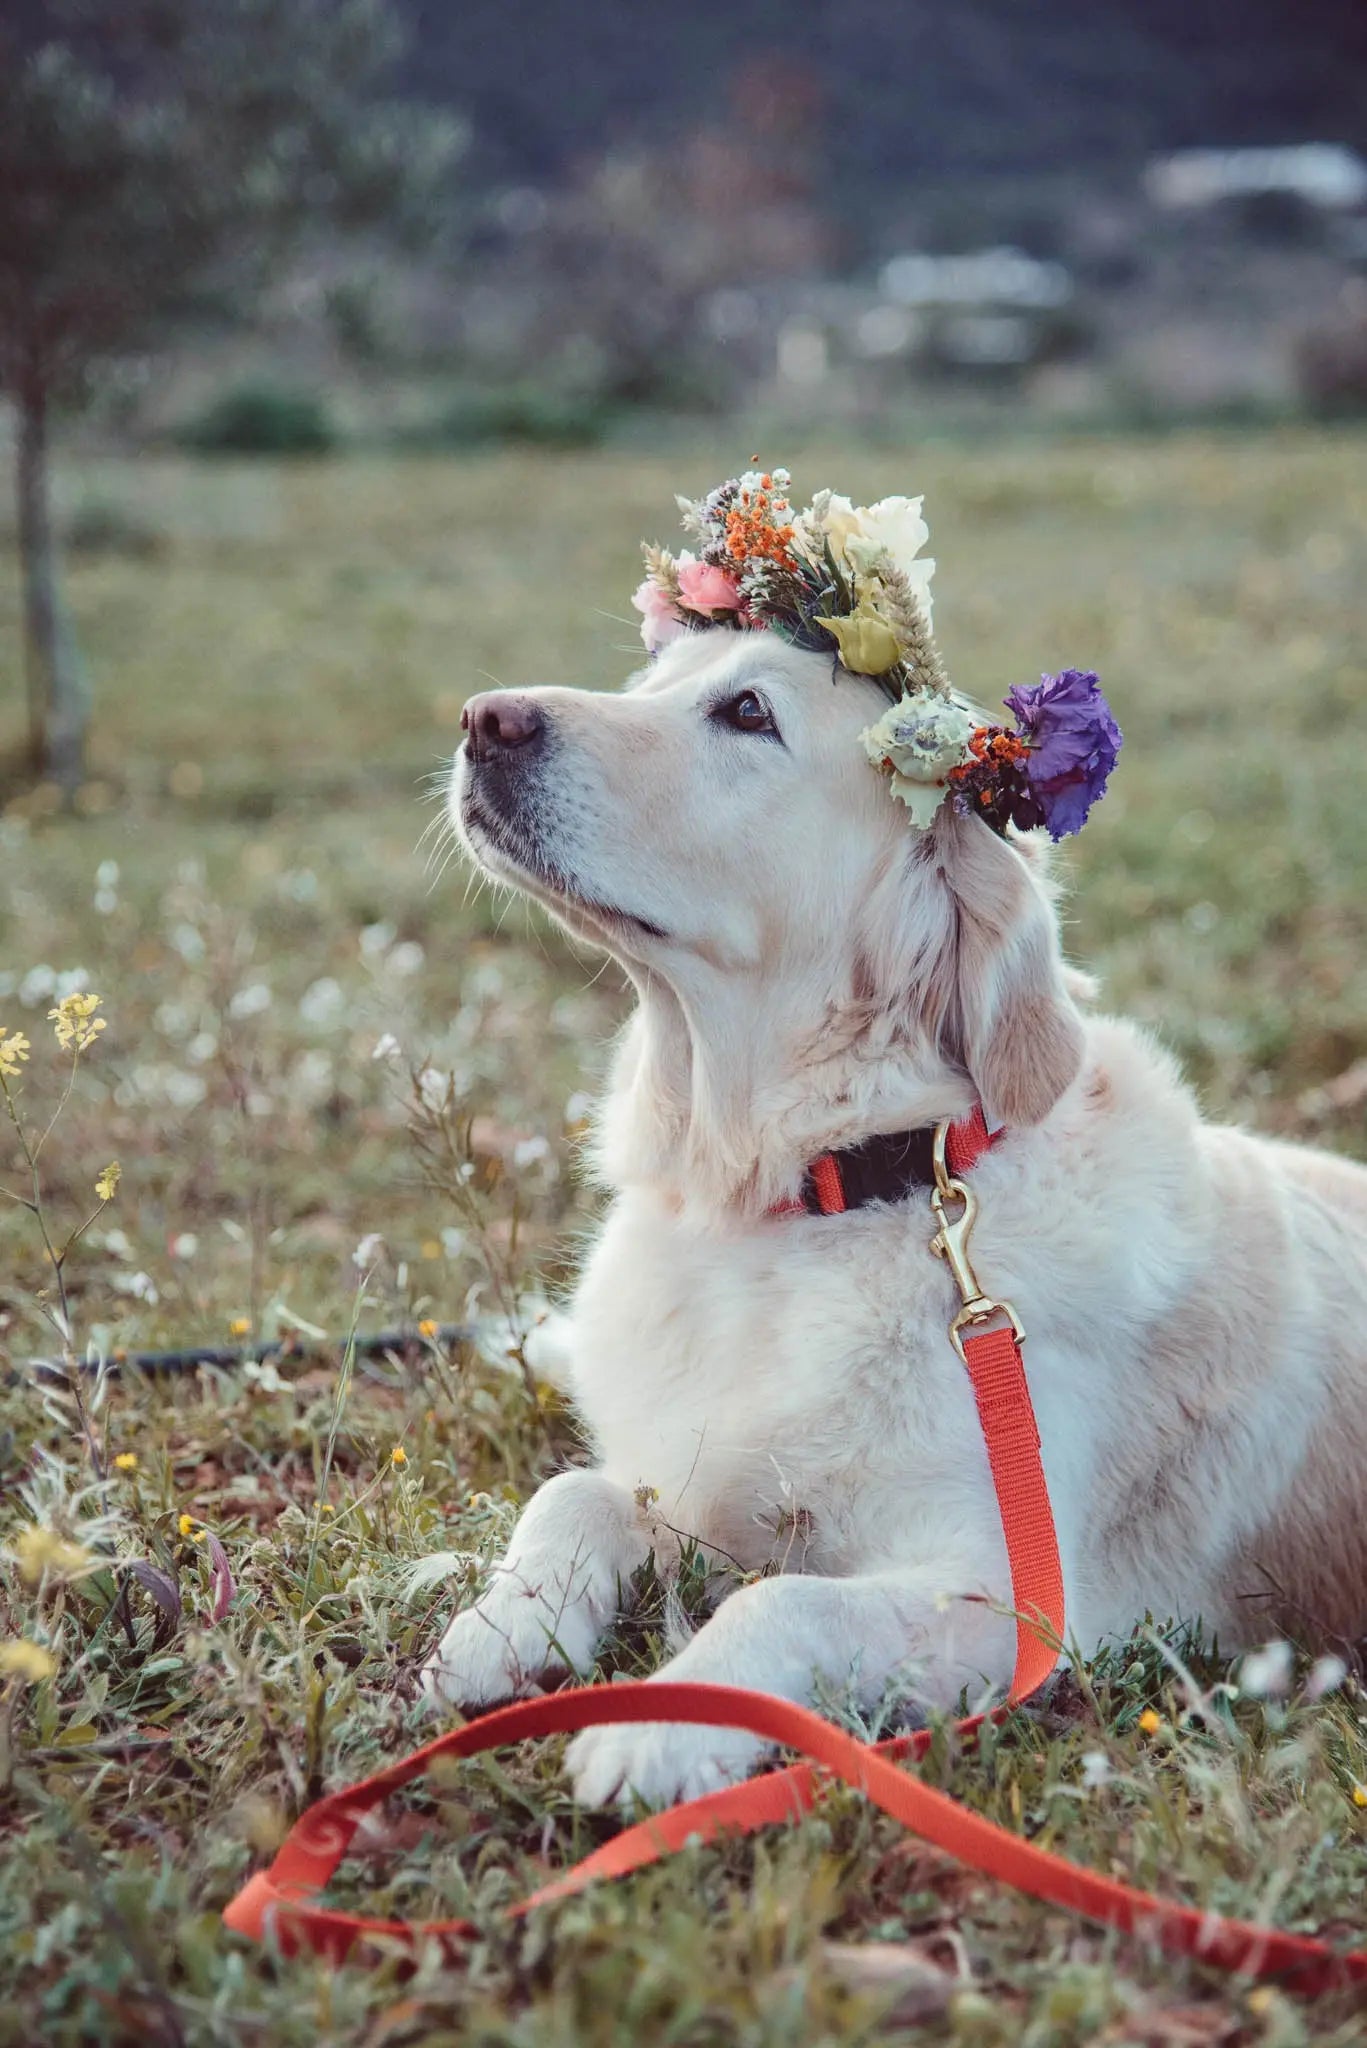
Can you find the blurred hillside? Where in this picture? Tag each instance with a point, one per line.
(933, 88)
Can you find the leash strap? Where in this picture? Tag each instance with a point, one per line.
(280, 1904)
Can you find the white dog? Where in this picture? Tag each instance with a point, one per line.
(781, 1387)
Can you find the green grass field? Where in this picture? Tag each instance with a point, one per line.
(280, 658)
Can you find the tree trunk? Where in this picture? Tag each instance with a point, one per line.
(58, 701)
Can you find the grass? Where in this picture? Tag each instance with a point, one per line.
(282, 654)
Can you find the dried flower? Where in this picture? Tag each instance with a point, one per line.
(75, 1022)
(28, 1662)
(14, 1050)
(107, 1186)
(1074, 743)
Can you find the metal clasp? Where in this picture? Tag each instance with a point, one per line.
(950, 1243)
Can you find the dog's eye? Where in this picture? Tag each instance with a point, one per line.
(746, 713)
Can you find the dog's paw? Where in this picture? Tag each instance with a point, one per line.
(657, 1762)
(503, 1648)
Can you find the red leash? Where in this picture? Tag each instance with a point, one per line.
(280, 1904)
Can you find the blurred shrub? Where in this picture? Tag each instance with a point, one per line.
(101, 527)
(529, 414)
(261, 418)
(1331, 357)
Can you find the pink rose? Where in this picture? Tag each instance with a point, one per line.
(706, 589)
(660, 623)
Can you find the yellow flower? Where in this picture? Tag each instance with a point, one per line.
(868, 646)
(26, 1661)
(75, 1022)
(186, 1524)
(14, 1050)
(240, 1326)
(398, 1456)
(40, 1550)
(106, 1187)
(127, 1461)
(428, 1327)
(200, 1536)
(1150, 1722)
(327, 1508)
(1360, 1795)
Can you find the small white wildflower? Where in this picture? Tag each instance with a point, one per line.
(251, 1000)
(530, 1151)
(311, 1079)
(452, 1242)
(201, 1048)
(107, 875)
(368, 1251)
(1096, 1770)
(116, 1243)
(376, 939)
(578, 1109)
(188, 941)
(322, 1001)
(407, 958)
(386, 1047)
(37, 985)
(106, 901)
(141, 1286)
(1326, 1675)
(432, 1087)
(262, 1373)
(183, 1245)
(1266, 1673)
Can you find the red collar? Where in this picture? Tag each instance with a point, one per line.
(885, 1168)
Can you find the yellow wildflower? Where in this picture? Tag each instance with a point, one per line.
(240, 1326)
(26, 1661)
(14, 1050)
(107, 1186)
(186, 1524)
(398, 1456)
(1360, 1795)
(328, 1508)
(40, 1550)
(200, 1536)
(1150, 1722)
(428, 1327)
(75, 1022)
(127, 1461)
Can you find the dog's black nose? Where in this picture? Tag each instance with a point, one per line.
(500, 721)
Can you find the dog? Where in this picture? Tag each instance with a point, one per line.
(780, 1387)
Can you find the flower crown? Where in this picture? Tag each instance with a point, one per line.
(854, 575)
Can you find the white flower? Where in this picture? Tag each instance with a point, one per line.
(922, 737)
(386, 1047)
(407, 957)
(367, 1251)
(251, 1000)
(1266, 1673)
(322, 1001)
(863, 534)
(183, 1245)
(1326, 1675)
(1096, 1770)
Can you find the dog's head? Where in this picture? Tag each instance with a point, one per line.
(718, 828)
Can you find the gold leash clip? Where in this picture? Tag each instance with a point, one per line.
(950, 1243)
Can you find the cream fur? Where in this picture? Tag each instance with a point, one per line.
(809, 971)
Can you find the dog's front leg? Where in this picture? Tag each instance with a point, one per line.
(787, 1636)
(549, 1600)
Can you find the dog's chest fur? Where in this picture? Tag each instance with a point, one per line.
(778, 1387)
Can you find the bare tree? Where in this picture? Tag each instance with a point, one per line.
(152, 151)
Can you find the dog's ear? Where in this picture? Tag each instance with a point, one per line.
(1011, 1019)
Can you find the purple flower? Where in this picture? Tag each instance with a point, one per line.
(1073, 740)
